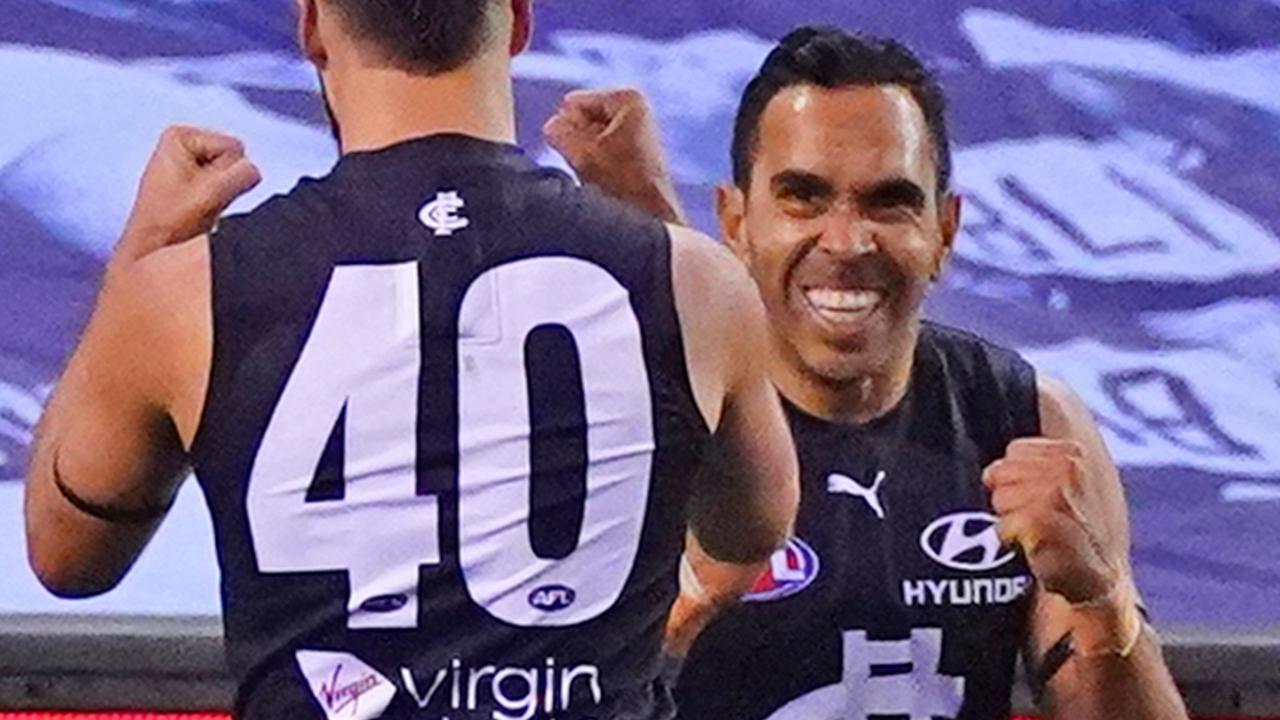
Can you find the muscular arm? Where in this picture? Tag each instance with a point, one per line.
(1105, 685)
(744, 500)
(744, 504)
(109, 452)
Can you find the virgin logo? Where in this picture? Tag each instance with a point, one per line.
(344, 686)
(338, 696)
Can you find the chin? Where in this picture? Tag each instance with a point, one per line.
(840, 367)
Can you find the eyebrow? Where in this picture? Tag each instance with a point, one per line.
(798, 183)
(893, 193)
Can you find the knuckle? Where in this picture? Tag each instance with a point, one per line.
(628, 94)
(1060, 499)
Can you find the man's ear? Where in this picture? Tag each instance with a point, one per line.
(731, 207)
(309, 33)
(521, 26)
(949, 228)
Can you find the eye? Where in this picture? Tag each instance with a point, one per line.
(804, 206)
(802, 195)
(895, 200)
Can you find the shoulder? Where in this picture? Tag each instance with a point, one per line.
(722, 319)
(709, 280)
(712, 286)
(591, 212)
(997, 387)
(310, 200)
(1063, 413)
(967, 347)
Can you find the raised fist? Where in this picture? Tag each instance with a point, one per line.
(611, 139)
(192, 177)
(1048, 506)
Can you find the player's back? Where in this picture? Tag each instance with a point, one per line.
(447, 442)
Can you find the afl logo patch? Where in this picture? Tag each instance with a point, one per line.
(791, 570)
(552, 598)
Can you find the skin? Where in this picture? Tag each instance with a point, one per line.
(844, 198)
(120, 423)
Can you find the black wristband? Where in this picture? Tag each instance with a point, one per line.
(107, 513)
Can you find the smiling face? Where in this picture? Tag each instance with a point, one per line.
(842, 227)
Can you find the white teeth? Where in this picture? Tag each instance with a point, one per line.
(843, 301)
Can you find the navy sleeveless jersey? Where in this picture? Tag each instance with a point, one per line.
(895, 599)
(447, 443)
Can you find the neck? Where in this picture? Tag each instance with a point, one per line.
(855, 400)
(381, 106)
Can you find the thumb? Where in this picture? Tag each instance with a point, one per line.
(565, 135)
(228, 179)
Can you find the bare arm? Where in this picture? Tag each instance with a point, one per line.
(1099, 682)
(744, 502)
(109, 451)
(744, 506)
(108, 457)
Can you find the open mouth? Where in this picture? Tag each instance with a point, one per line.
(846, 309)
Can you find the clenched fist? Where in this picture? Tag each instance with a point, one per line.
(1048, 505)
(192, 177)
(611, 139)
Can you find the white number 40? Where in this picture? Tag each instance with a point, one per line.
(364, 355)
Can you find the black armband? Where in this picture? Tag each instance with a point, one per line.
(108, 513)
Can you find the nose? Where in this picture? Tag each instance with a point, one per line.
(847, 235)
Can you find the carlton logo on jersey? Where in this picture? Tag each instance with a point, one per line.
(441, 214)
(791, 570)
(969, 542)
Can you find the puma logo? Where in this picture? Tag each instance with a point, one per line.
(844, 485)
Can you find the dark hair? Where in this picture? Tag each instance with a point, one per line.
(832, 58)
(424, 36)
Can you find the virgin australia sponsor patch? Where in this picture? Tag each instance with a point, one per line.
(344, 685)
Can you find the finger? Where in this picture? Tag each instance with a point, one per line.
(602, 105)
(1022, 469)
(1041, 447)
(591, 107)
(1011, 498)
(1015, 529)
(1005, 472)
(225, 185)
(1027, 529)
(207, 146)
(562, 134)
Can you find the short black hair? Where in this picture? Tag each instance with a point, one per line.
(422, 36)
(833, 58)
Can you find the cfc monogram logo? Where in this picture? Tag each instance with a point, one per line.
(441, 214)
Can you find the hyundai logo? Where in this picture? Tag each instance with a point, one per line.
(965, 541)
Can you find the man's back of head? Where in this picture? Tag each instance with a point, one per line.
(426, 37)
(394, 70)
